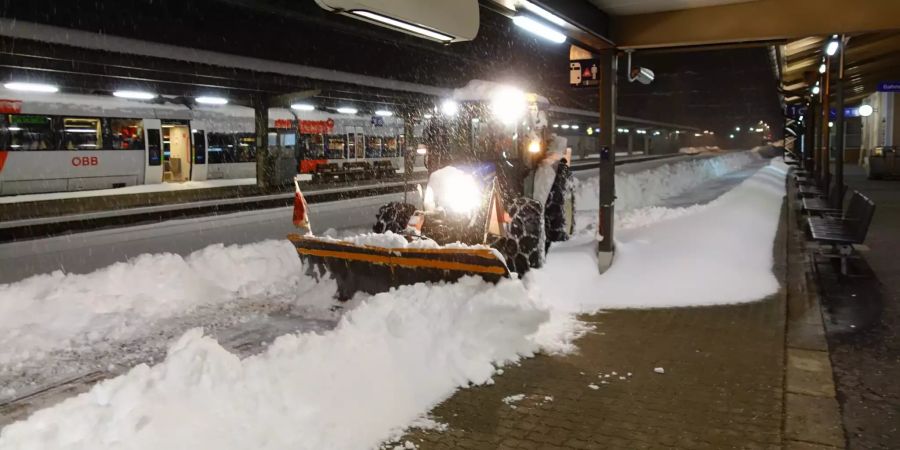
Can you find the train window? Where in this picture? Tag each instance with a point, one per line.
(81, 134)
(335, 146)
(373, 146)
(391, 147)
(199, 142)
(221, 147)
(154, 151)
(26, 132)
(312, 146)
(123, 134)
(245, 151)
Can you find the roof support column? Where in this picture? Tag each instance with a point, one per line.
(836, 195)
(607, 100)
(264, 168)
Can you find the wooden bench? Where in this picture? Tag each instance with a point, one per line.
(842, 232)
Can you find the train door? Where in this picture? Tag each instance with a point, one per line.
(198, 144)
(153, 153)
(177, 161)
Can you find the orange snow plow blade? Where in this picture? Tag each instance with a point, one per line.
(370, 269)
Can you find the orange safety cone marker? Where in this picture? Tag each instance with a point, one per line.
(301, 218)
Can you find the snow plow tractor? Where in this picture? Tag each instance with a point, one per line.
(499, 192)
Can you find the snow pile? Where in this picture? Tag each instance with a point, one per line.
(716, 253)
(699, 150)
(71, 311)
(389, 360)
(650, 187)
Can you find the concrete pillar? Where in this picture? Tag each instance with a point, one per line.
(834, 196)
(607, 99)
(265, 170)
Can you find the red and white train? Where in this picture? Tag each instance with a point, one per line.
(67, 142)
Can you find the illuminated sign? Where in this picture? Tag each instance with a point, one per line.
(10, 106)
(316, 126)
(284, 124)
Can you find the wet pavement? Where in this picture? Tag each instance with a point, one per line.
(862, 319)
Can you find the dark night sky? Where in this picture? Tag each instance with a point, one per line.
(709, 89)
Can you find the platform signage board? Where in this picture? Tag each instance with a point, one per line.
(584, 73)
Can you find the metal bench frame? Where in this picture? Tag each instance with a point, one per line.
(842, 232)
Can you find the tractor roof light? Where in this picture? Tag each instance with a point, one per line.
(509, 104)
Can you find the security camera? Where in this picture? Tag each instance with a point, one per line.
(642, 74)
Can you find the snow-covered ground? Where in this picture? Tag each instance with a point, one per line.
(391, 357)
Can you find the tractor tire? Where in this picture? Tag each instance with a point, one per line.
(523, 246)
(559, 210)
(393, 217)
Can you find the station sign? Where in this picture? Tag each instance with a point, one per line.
(584, 73)
(284, 124)
(889, 86)
(377, 121)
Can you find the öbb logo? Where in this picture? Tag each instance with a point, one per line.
(85, 161)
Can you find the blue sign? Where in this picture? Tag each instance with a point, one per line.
(849, 111)
(889, 86)
(377, 121)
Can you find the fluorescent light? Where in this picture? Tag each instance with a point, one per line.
(832, 48)
(449, 107)
(428, 116)
(302, 107)
(539, 29)
(136, 95)
(555, 125)
(80, 130)
(14, 129)
(565, 126)
(347, 110)
(31, 87)
(547, 15)
(404, 26)
(383, 113)
(575, 127)
(864, 110)
(212, 100)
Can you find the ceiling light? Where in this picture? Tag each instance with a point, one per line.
(730, 136)
(347, 110)
(815, 90)
(822, 68)
(830, 124)
(31, 87)
(383, 113)
(302, 107)
(565, 126)
(832, 48)
(555, 125)
(427, 116)
(575, 127)
(539, 29)
(546, 15)
(404, 26)
(864, 110)
(135, 95)
(212, 100)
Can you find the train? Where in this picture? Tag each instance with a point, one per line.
(69, 142)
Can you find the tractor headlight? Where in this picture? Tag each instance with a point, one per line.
(464, 197)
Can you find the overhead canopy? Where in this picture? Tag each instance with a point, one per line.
(869, 58)
(672, 23)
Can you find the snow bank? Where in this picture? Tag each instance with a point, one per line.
(650, 187)
(72, 311)
(716, 253)
(389, 360)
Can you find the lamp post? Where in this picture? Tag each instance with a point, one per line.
(836, 196)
